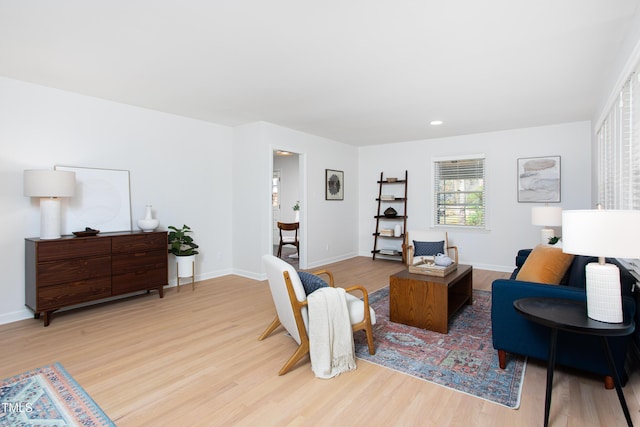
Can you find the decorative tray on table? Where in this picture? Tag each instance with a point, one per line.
(429, 268)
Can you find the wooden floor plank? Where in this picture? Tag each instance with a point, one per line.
(193, 358)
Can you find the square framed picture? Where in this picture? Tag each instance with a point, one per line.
(102, 200)
(539, 179)
(334, 184)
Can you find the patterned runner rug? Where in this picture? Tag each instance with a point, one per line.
(48, 396)
(463, 360)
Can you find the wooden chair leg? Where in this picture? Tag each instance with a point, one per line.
(300, 352)
(369, 332)
(272, 327)
(502, 359)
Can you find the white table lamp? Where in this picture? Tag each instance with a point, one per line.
(602, 233)
(546, 216)
(49, 185)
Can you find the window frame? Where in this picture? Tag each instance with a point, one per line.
(435, 206)
(618, 149)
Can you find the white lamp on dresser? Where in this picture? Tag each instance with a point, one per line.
(49, 186)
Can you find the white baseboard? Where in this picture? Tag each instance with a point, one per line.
(210, 275)
(15, 316)
(331, 260)
(250, 275)
(491, 267)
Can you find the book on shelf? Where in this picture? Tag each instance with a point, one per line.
(388, 252)
(387, 232)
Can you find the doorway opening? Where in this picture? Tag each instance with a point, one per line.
(286, 196)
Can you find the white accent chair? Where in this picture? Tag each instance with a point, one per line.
(290, 300)
(427, 236)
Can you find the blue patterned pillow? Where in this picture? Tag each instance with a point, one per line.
(428, 248)
(311, 282)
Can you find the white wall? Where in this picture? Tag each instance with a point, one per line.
(328, 228)
(508, 222)
(622, 63)
(217, 180)
(289, 185)
(179, 165)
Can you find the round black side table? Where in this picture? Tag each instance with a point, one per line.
(569, 315)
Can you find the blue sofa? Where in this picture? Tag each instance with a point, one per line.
(512, 333)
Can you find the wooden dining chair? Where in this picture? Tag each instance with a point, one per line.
(288, 239)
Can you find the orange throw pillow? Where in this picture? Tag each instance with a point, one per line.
(545, 264)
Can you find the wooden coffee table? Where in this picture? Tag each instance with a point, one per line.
(429, 301)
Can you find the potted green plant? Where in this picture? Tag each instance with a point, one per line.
(553, 241)
(182, 246)
(296, 209)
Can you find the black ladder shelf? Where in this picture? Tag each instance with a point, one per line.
(385, 201)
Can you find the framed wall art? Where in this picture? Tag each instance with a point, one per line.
(334, 184)
(539, 179)
(102, 201)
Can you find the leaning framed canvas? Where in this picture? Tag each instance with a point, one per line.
(334, 184)
(102, 201)
(539, 179)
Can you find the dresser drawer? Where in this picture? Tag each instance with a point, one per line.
(138, 281)
(73, 248)
(138, 262)
(139, 242)
(72, 270)
(52, 297)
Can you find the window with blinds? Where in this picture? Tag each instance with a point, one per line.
(618, 147)
(459, 192)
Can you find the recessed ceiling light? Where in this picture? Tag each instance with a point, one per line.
(436, 122)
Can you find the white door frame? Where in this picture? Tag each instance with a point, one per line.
(302, 188)
(276, 211)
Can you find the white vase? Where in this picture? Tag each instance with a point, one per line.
(297, 216)
(148, 223)
(186, 264)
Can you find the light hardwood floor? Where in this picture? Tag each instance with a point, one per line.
(193, 359)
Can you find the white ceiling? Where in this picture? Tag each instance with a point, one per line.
(357, 71)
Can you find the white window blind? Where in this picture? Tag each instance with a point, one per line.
(618, 148)
(459, 192)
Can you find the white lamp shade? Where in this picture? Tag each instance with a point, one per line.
(601, 233)
(49, 183)
(549, 216)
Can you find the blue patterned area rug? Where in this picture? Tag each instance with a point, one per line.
(463, 360)
(48, 396)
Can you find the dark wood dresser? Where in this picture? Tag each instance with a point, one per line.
(74, 270)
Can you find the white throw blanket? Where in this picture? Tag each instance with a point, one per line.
(331, 345)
